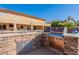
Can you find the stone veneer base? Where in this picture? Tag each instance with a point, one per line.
(8, 45)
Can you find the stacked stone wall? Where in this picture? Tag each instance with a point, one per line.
(71, 45)
(8, 44)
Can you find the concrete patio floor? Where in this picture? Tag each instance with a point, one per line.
(44, 51)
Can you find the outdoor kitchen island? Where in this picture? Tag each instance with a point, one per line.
(24, 43)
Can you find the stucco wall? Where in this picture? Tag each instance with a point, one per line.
(11, 18)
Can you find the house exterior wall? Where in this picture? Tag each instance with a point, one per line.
(8, 18)
(11, 18)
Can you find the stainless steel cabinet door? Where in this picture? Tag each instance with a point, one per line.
(24, 47)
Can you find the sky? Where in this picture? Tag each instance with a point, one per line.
(48, 12)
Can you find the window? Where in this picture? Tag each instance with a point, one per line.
(0, 27)
(35, 27)
(4, 27)
(10, 25)
(21, 27)
(28, 27)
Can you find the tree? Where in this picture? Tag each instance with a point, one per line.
(77, 22)
(56, 23)
(70, 25)
(64, 23)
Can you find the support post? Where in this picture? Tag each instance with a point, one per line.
(15, 29)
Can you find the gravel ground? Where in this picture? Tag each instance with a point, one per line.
(44, 51)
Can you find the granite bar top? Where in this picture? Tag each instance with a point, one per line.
(70, 34)
(16, 34)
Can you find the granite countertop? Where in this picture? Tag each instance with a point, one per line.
(16, 34)
(70, 34)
